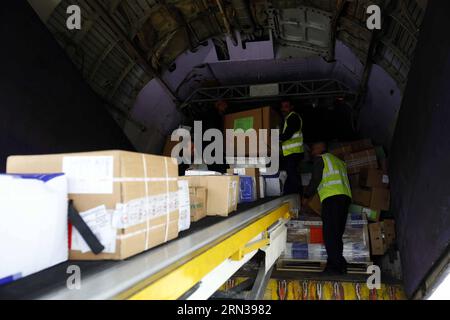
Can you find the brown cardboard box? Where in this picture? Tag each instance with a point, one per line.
(378, 245)
(198, 200)
(370, 177)
(389, 231)
(223, 193)
(361, 145)
(131, 181)
(315, 205)
(359, 160)
(262, 118)
(382, 236)
(251, 172)
(362, 196)
(341, 152)
(380, 199)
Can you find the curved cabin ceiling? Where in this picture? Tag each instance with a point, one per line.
(124, 44)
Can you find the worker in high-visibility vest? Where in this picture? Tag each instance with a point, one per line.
(330, 181)
(291, 139)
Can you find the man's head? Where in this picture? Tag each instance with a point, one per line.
(318, 148)
(221, 106)
(286, 108)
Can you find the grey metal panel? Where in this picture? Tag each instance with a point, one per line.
(108, 284)
(420, 153)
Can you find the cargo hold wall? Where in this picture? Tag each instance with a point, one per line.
(45, 104)
(420, 153)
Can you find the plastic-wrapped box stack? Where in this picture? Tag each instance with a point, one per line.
(305, 240)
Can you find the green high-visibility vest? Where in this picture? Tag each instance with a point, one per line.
(295, 143)
(334, 178)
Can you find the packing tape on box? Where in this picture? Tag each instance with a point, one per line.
(166, 168)
(138, 232)
(144, 163)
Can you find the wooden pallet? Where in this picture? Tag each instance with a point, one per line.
(318, 266)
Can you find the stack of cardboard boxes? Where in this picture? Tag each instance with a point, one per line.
(247, 162)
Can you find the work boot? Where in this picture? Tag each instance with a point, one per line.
(331, 271)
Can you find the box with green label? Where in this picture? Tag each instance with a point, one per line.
(242, 122)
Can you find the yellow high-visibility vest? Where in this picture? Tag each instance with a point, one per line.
(334, 178)
(295, 144)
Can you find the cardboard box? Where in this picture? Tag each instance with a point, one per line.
(198, 200)
(342, 151)
(378, 245)
(389, 231)
(315, 205)
(33, 228)
(371, 214)
(382, 236)
(370, 177)
(262, 118)
(130, 200)
(362, 196)
(223, 193)
(380, 199)
(252, 172)
(361, 145)
(359, 160)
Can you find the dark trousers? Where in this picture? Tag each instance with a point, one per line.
(334, 217)
(293, 182)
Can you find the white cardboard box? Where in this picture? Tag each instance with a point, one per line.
(33, 228)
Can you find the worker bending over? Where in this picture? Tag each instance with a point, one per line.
(330, 180)
(292, 147)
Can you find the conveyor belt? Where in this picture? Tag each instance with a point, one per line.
(107, 279)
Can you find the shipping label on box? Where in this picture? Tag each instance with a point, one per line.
(184, 205)
(89, 174)
(99, 220)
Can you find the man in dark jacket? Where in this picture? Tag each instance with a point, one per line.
(291, 139)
